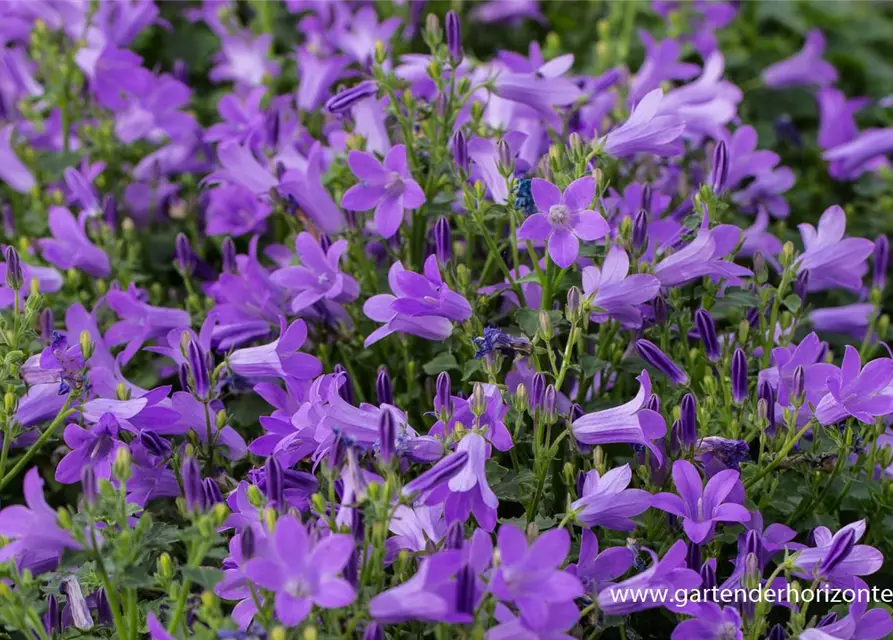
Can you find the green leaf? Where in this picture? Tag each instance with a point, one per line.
(471, 367)
(793, 303)
(207, 577)
(736, 298)
(444, 361)
(590, 364)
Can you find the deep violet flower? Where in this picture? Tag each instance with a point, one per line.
(70, 248)
(805, 68)
(563, 219)
(140, 321)
(652, 354)
(386, 187)
(279, 358)
(95, 447)
(303, 573)
(36, 541)
(605, 500)
(857, 391)
(597, 570)
(422, 305)
(468, 491)
(630, 423)
(701, 507)
(318, 276)
(832, 260)
(614, 294)
(851, 559)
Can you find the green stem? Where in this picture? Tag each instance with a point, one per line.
(64, 412)
(779, 458)
(186, 585)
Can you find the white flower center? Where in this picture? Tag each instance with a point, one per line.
(297, 588)
(559, 215)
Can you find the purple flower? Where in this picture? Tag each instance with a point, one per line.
(388, 188)
(805, 68)
(234, 210)
(140, 321)
(415, 528)
(58, 362)
(630, 423)
(597, 570)
(652, 354)
(81, 191)
(35, 539)
(468, 491)
(865, 152)
(836, 123)
(154, 113)
(860, 623)
(529, 577)
(564, 219)
(745, 160)
(279, 358)
(701, 507)
(860, 392)
(605, 500)
(710, 622)
(538, 91)
(489, 422)
(358, 40)
(244, 60)
(852, 319)
(70, 248)
(850, 559)
(766, 190)
(808, 355)
(661, 64)
(646, 131)
(318, 276)
(242, 119)
(832, 260)
(12, 171)
(317, 74)
(669, 573)
(422, 306)
(95, 447)
(513, 11)
(303, 573)
(703, 256)
(484, 154)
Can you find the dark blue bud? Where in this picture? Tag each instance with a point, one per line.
(212, 492)
(647, 195)
(707, 332)
(110, 211)
(651, 354)
(443, 393)
(247, 543)
(47, 324)
(346, 388)
(767, 393)
(640, 232)
(373, 632)
(185, 258)
(465, 590)
(325, 242)
(693, 555)
(777, 633)
(343, 101)
(801, 285)
(183, 374)
(660, 310)
(460, 150)
(455, 536)
(880, 262)
(454, 37)
(708, 576)
(52, 619)
(688, 418)
(274, 482)
(798, 385)
(537, 390)
(15, 277)
(198, 364)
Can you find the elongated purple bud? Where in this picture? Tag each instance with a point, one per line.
(652, 403)
(455, 536)
(537, 390)
(676, 437)
(798, 385)
(693, 555)
(504, 156)
(688, 412)
(443, 391)
(198, 364)
(15, 277)
(753, 543)
(185, 258)
(841, 547)
(880, 262)
(707, 332)
(273, 125)
(443, 242)
(801, 285)
(766, 393)
(465, 590)
(777, 633)
(373, 632)
(383, 387)
(183, 373)
(346, 388)
(739, 376)
(192, 484)
(88, 484)
(228, 257)
(550, 403)
(212, 492)
(110, 211)
(454, 37)
(720, 168)
(387, 436)
(274, 482)
(640, 231)
(52, 619)
(647, 195)
(247, 543)
(660, 309)
(441, 472)
(659, 360)
(337, 451)
(47, 324)
(343, 101)
(708, 576)
(460, 150)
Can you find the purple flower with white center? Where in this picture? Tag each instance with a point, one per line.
(95, 447)
(154, 113)
(703, 256)
(809, 354)
(70, 247)
(832, 260)
(358, 40)
(244, 60)
(669, 572)
(710, 622)
(564, 219)
(279, 358)
(422, 305)
(605, 500)
(805, 68)
(529, 577)
(859, 624)
(616, 295)
(318, 276)
(646, 131)
(35, 539)
(630, 423)
(860, 392)
(701, 507)
(386, 187)
(236, 584)
(849, 560)
(597, 570)
(303, 573)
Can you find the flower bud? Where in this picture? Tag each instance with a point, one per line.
(52, 619)
(760, 268)
(211, 492)
(110, 211)
(247, 543)
(384, 388)
(688, 434)
(573, 303)
(720, 168)
(454, 37)
(185, 258)
(708, 576)
(478, 400)
(521, 400)
(88, 484)
(647, 196)
(707, 332)
(693, 555)
(198, 364)
(192, 484)
(841, 546)
(504, 157)
(537, 390)
(442, 240)
(443, 395)
(121, 467)
(86, 344)
(880, 261)
(739, 376)
(373, 632)
(14, 275)
(387, 436)
(460, 151)
(660, 310)
(228, 255)
(798, 386)
(801, 285)
(640, 232)
(545, 325)
(465, 591)
(777, 632)
(77, 604)
(550, 409)
(183, 374)
(433, 32)
(455, 536)
(343, 101)
(651, 354)
(274, 483)
(47, 324)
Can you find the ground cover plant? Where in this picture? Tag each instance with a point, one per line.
(495, 320)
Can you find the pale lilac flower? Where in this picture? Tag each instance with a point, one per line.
(832, 260)
(597, 570)
(12, 171)
(564, 219)
(616, 295)
(865, 152)
(388, 188)
(805, 68)
(279, 358)
(607, 502)
(646, 130)
(244, 60)
(851, 319)
(710, 622)
(70, 247)
(850, 559)
(857, 391)
(661, 64)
